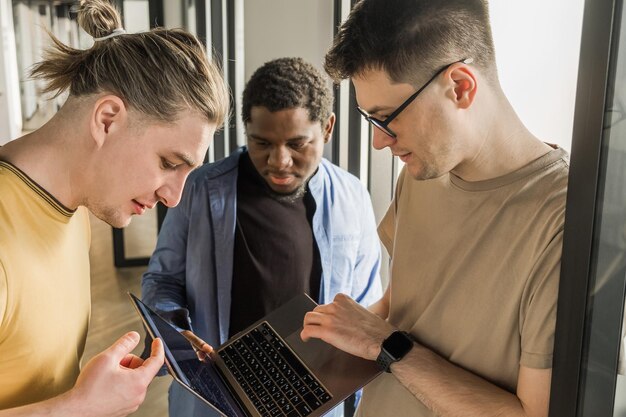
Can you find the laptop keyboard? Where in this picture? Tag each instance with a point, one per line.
(273, 378)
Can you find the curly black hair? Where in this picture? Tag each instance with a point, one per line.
(287, 83)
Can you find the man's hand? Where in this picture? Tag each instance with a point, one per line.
(114, 382)
(202, 348)
(348, 326)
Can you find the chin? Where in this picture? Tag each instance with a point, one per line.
(289, 196)
(423, 172)
(417, 174)
(283, 190)
(114, 218)
(123, 223)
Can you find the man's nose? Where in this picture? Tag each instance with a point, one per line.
(380, 140)
(279, 158)
(171, 192)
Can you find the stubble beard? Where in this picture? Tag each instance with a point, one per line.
(291, 197)
(109, 215)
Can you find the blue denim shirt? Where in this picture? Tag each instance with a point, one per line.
(191, 267)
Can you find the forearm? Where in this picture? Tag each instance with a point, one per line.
(62, 405)
(163, 292)
(451, 391)
(443, 387)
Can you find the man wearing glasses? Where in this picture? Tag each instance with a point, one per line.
(466, 326)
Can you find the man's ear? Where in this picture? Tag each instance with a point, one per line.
(328, 128)
(108, 116)
(464, 85)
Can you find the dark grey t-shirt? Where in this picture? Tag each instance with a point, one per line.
(275, 256)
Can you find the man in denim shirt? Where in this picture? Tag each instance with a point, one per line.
(268, 222)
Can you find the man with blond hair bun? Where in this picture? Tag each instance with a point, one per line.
(141, 112)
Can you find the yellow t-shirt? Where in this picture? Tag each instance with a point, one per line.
(44, 291)
(474, 274)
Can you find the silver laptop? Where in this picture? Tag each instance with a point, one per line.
(266, 370)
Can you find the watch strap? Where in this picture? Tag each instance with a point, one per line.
(385, 359)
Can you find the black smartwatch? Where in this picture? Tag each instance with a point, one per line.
(394, 348)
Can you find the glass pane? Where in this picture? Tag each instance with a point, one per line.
(608, 263)
(616, 124)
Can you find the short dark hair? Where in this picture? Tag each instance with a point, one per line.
(287, 83)
(411, 39)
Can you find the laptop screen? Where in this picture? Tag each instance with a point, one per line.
(201, 377)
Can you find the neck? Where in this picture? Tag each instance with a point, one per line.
(502, 144)
(51, 157)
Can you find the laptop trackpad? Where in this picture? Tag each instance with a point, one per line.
(339, 371)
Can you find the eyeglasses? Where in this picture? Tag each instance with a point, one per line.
(383, 125)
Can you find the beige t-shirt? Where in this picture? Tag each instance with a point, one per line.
(474, 274)
(44, 291)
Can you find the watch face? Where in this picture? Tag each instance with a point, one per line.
(398, 344)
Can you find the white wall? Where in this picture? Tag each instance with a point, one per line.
(537, 50)
(137, 14)
(173, 14)
(281, 28)
(10, 112)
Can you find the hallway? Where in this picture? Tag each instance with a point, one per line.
(112, 314)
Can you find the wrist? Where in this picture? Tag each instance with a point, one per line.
(61, 405)
(393, 349)
(71, 404)
(377, 337)
(375, 347)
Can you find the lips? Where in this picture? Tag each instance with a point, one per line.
(139, 208)
(403, 156)
(281, 179)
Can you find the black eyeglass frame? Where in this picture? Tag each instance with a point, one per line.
(383, 125)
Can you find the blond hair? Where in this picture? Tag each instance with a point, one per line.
(159, 73)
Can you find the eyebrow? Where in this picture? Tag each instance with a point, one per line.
(294, 139)
(186, 159)
(378, 109)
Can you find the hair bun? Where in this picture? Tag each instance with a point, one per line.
(99, 18)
